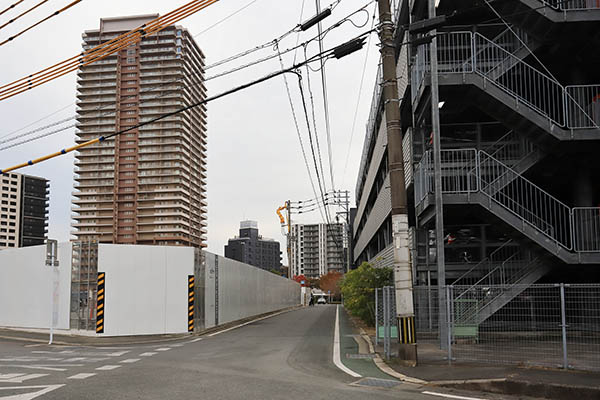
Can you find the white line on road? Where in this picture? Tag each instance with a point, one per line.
(81, 376)
(195, 340)
(148, 354)
(336, 347)
(47, 367)
(30, 395)
(163, 349)
(108, 367)
(19, 378)
(451, 396)
(131, 360)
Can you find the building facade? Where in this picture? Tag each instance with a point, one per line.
(251, 248)
(147, 185)
(23, 210)
(317, 249)
(518, 105)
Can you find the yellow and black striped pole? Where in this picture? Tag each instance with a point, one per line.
(190, 303)
(100, 304)
(407, 330)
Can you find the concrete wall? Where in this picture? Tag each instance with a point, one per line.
(26, 287)
(243, 291)
(146, 288)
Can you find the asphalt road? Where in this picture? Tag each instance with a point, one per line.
(288, 356)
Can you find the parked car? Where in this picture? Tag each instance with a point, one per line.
(321, 300)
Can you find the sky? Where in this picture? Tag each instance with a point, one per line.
(255, 161)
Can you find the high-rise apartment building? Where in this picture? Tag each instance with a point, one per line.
(148, 185)
(317, 249)
(251, 248)
(23, 210)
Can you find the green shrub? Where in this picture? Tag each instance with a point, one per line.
(358, 289)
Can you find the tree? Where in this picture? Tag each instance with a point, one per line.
(276, 271)
(330, 283)
(358, 288)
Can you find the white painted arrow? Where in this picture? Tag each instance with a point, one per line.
(31, 395)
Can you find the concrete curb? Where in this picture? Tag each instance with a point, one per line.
(383, 367)
(94, 341)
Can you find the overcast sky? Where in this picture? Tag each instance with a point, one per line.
(254, 157)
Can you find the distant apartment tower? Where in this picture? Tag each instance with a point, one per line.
(23, 210)
(317, 249)
(251, 248)
(148, 185)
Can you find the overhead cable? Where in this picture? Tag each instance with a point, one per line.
(55, 13)
(103, 50)
(23, 13)
(11, 6)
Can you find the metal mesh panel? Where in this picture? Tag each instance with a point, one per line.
(84, 285)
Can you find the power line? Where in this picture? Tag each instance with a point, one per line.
(334, 52)
(11, 6)
(226, 18)
(55, 13)
(325, 100)
(101, 51)
(23, 13)
(360, 86)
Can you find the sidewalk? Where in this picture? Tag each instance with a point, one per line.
(503, 379)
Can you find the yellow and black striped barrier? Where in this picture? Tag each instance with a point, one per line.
(190, 303)
(100, 304)
(407, 330)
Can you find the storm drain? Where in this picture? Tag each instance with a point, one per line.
(374, 382)
(361, 356)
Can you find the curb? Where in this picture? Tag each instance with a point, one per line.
(94, 341)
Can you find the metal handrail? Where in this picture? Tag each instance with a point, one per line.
(572, 5)
(467, 52)
(487, 260)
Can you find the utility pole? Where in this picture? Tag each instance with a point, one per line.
(402, 269)
(437, 165)
(289, 238)
(52, 262)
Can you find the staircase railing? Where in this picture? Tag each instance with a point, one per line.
(466, 171)
(572, 5)
(574, 107)
(482, 268)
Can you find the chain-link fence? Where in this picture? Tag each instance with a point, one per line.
(386, 327)
(555, 326)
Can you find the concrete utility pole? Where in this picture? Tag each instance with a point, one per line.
(402, 268)
(52, 262)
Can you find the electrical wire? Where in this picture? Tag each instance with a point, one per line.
(11, 6)
(325, 100)
(226, 18)
(103, 50)
(329, 53)
(287, 87)
(55, 13)
(360, 86)
(218, 63)
(22, 14)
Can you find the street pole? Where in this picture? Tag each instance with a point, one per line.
(402, 269)
(52, 262)
(289, 237)
(437, 164)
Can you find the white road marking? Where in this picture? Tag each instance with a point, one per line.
(46, 367)
(81, 376)
(131, 360)
(148, 354)
(451, 396)
(195, 340)
(31, 395)
(336, 347)
(19, 378)
(163, 349)
(108, 367)
(176, 345)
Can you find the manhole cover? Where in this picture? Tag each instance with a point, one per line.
(361, 356)
(374, 382)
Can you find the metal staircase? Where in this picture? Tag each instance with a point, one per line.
(476, 177)
(515, 92)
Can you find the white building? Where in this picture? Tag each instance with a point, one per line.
(317, 249)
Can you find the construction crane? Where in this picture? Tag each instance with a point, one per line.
(286, 234)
